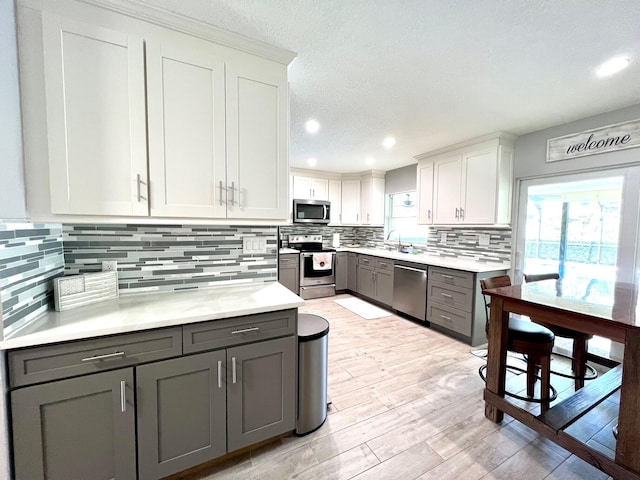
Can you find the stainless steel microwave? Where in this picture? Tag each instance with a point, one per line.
(311, 211)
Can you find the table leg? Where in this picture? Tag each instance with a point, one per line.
(497, 356)
(627, 450)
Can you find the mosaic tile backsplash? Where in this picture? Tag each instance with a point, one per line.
(155, 258)
(461, 242)
(30, 258)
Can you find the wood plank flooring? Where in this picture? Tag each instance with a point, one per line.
(407, 404)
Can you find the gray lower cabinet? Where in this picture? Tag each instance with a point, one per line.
(76, 428)
(289, 271)
(342, 270)
(261, 391)
(181, 413)
(352, 275)
(375, 278)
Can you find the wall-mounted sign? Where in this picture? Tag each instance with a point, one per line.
(599, 140)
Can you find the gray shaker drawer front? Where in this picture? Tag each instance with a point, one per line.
(52, 362)
(289, 260)
(199, 337)
(384, 264)
(450, 318)
(450, 295)
(449, 276)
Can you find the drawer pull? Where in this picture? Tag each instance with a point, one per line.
(233, 369)
(448, 277)
(445, 317)
(384, 264)
(123, 396)
(245, 330)
(104, 357)
(446, 295)
(219, 374)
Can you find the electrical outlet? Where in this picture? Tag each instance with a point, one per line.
(109, 266)
(443, 237)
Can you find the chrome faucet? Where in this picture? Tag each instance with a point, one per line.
(399, 242)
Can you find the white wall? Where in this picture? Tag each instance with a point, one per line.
(12, 197)
(531, 150)
(401, 179)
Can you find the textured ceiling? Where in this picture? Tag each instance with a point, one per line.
(433, 73)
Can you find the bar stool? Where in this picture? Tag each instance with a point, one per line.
(530, 339)
(579, 364)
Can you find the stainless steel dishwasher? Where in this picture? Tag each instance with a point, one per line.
(410, 291)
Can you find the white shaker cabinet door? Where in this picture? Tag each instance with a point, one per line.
(446, 191)
(335, 197)
(350, 202)
(425, 193)
(95, 96)
(479, 189)
(186, 100)
(257, 138)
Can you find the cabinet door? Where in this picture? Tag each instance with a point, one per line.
(301, 187)
(181, 412)
(366, 286)
(425, 193)
(384, 287)
(78, 428)
(352, 283)
(289, 272)
(320, 188)
(257, 138)
(446, 190)
(479, 189)
(342, 270)
(372, 204)
(96, 125)
(261, 393)
(350, 202)
(186, 130)
(335, 197)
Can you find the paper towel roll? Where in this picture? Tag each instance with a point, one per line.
(336, 240)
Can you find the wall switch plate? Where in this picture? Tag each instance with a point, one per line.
(109, 266)
(483, 240)
(443, 237)
(254, 245)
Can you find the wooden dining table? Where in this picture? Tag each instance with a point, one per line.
(613, 315)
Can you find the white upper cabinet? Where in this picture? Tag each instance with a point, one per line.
(335, 197)
(425, 193)
(186, 105)
(468, 184)
(350, 202)
(372, 204)
(95, 119)
(310, 187)
(215, 118)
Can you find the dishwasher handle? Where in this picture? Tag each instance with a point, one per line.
(424, 272)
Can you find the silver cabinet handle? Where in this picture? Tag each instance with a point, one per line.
(457, 213)
(233, 369)
(219, 374)
(357, 217)
(245, 330)
(123, 396)
(368, 218)
(423, 272)
(448, 277)
(445, 317)
(428, 214)
(221, 190)
(103, 357)
(384, 264)
(140, 182)
(233, 193)
(461, 213)
(446, 295)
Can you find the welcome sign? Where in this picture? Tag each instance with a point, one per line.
(605, 139)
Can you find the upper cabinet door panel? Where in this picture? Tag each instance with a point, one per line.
(186, 131)
(446, 192)
(257, 138)
(95, 118)
(480, 173)
(425, 193)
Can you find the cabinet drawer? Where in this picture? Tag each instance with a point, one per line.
(450, 295)
(450, 318)
(289, 260)
(384, 264)
(200, 337)
(366, 260)
(43, 364)
(451, 277)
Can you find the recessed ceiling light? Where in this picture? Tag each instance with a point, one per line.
(312, 162)
(371, 161)
(389, 142)
(612, 66)
(312, 126)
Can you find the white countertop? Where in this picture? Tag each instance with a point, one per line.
(145, 311)
(433, 260)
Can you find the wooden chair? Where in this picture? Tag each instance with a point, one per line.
(532, 340)
(579, 364)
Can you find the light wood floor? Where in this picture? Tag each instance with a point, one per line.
(407, 404)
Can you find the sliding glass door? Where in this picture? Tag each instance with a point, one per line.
(583, 226)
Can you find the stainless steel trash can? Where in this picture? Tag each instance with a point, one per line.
(313, 336)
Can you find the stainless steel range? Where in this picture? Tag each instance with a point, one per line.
(317, 266)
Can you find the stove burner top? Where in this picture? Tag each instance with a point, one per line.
(308, 243)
